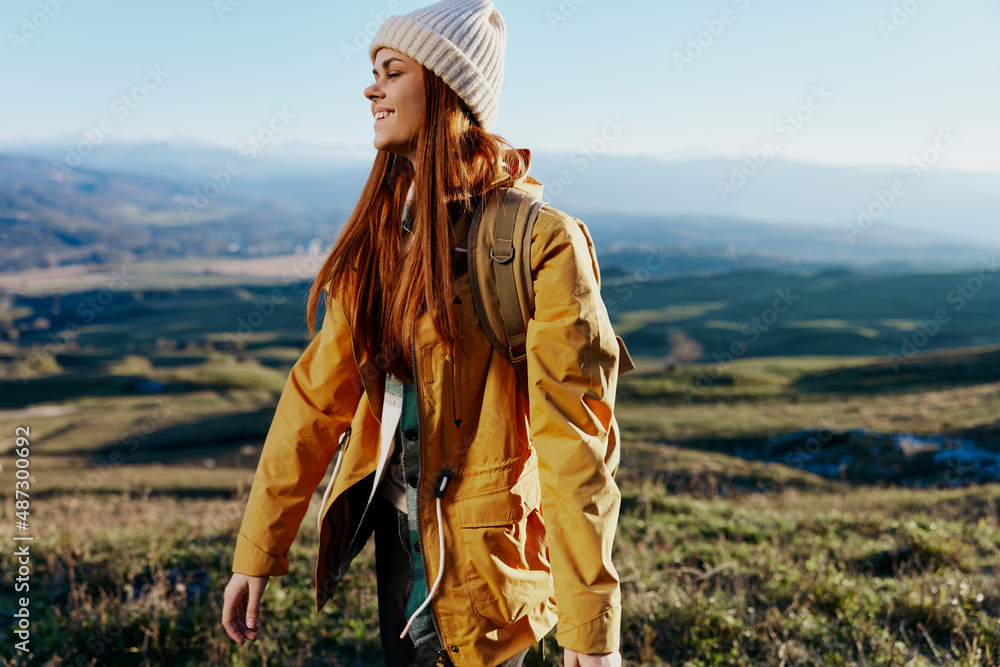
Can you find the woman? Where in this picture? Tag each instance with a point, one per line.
(441, 456)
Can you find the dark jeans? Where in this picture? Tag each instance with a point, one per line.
(393, 571)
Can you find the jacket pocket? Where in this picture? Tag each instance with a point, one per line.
(506, 560)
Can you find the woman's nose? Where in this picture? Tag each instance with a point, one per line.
(372, 91)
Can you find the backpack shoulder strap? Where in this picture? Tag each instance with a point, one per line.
(499, 254)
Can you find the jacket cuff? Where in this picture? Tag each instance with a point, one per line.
(253, 561)
(597, 636)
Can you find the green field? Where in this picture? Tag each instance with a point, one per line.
(147, 423)
(765, 313)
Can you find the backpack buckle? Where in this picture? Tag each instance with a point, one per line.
(503, 260)
(517, 352)
(517, 348)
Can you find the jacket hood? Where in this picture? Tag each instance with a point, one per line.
(527, 183)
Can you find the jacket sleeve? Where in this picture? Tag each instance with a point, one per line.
(572, 358)
(316, 406)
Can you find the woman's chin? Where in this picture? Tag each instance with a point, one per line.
(390, 148)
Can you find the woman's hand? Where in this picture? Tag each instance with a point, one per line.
(574, 659)
(241, 606)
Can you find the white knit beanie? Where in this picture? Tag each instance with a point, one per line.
(462, 41)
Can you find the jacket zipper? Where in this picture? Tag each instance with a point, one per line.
(454, 393)
(333, 476)
(420, 479)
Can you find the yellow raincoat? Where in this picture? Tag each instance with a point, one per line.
(530, 515)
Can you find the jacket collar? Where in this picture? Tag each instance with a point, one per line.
(527, 183)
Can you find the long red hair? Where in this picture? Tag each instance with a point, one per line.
(384, 291)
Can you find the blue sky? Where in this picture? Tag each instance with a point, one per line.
(573, 66)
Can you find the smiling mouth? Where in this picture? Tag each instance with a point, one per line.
(382, 115)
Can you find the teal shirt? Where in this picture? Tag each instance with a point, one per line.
(422, 628)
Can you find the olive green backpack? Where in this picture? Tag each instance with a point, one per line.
(500, 237)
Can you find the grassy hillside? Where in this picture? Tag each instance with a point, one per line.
(731, 550)
(739, 315)
(813, 577)
(779, 314)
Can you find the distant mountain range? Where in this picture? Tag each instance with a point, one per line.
(128, 202)
(99, 217)
(962, 205)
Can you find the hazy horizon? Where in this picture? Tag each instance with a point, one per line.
(360, 152)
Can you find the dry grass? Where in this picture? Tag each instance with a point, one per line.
(723, 561)
(793, 577)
